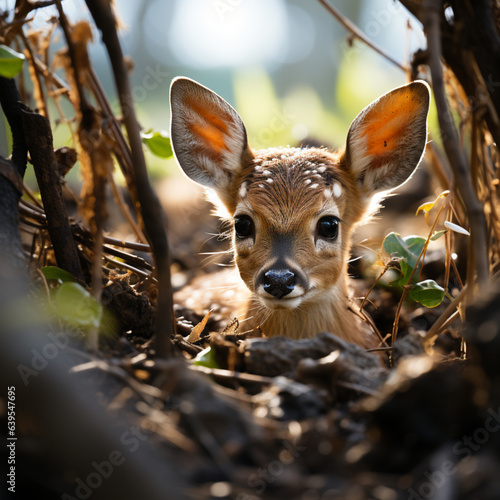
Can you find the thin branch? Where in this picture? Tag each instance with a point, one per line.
(352, 28)
(449, 311)
(127, 244)
(409, 284)
(458, 160)
(125, 210)
(152, 212)
(39, 140)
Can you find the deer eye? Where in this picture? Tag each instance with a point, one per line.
(328, 227)
(243, 226)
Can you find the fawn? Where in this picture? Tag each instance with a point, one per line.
(293, 210)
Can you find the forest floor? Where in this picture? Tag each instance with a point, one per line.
(246, 419)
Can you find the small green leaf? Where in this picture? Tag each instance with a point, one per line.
(415, 244)
(11, 62)
(158, 143)
(206, 358)
(428, 293)
(56, 273)
(77, 307)
(437, 235)
(406, 250)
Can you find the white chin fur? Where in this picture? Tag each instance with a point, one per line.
(290, 301)
(283, 303)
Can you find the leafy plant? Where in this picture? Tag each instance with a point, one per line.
(407, 252)
(74, 305)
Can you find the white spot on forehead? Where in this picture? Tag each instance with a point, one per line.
(321, 169)
(337, 190)
(307, 181)
(266, 173)
(258, 167)
(307, 172)
(243, 190)
(269, 180)
(314, 186)
(261, 185)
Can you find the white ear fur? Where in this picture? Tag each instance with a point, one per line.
(208, 136)
(386, 141)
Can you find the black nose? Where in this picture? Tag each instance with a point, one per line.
(279, 283)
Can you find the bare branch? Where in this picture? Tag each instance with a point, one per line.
(153, 216)
(456, 156)
(39, 140)
(352, 28)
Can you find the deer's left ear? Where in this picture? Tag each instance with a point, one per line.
(208, 136)
(386, 141)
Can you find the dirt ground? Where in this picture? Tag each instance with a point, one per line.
(267, 418)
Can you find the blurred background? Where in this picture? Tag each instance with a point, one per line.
(287, 66)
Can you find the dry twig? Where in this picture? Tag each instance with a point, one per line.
(153, 216)
(449, 136)
(354, 30)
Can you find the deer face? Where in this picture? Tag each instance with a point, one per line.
(293, 210)
(292, 225)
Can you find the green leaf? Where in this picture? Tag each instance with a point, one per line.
(158, 143)
(77, 307)
(406, 250)
(437, 235)
(428, 293)
(11, 62)
(206, 358)
(56, 273)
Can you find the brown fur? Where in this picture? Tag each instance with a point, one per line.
(285, 192)
(287, 205)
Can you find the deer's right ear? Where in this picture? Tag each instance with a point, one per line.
(208, 136)
(386, 141)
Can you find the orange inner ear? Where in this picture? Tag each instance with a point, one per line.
(210, 135)
(212, 128)
(386, 124)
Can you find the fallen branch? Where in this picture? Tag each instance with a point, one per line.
(39, 140)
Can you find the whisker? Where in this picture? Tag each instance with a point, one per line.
(221, 252)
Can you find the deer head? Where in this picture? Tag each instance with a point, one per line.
(293, 210)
